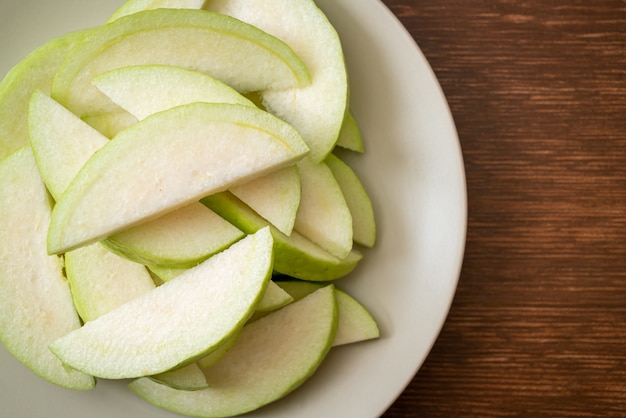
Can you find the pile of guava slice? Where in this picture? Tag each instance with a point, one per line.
(173, 210)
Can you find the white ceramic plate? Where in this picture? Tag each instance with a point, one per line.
(413, 170)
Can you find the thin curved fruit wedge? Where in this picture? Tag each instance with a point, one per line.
(355, 321)
(179, 239)
(257, 370)
(35, 302)
(175, 157)
(189, 377)
(143, 90)
(197, 39)
(275, 196)
(358, 200)
(60, 141)
(323, 215)
(101, 281)
(134, 6)
(273, 298)
(35, 72)
(350, 136)
(177, 322)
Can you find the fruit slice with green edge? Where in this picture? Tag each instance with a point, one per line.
(273, 298)
(323, 215)
(61, 142)
(355, 324)
(101, 281)
(295, 255)
(316, 110)
(179, 321)
(36, 305)
(147, 89)
(359, 203)
(350, 136)
(276, 197)
(162, 36)
(134, 6)
(175, 157)
(256, 371)
(179, 239)
(189, 377)
(143, 90)
(33, 72)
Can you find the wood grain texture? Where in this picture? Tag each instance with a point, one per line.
(538, 92)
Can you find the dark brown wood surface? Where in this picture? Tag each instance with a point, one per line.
(537, 89)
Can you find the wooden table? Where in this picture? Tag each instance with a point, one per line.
(538, 92)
